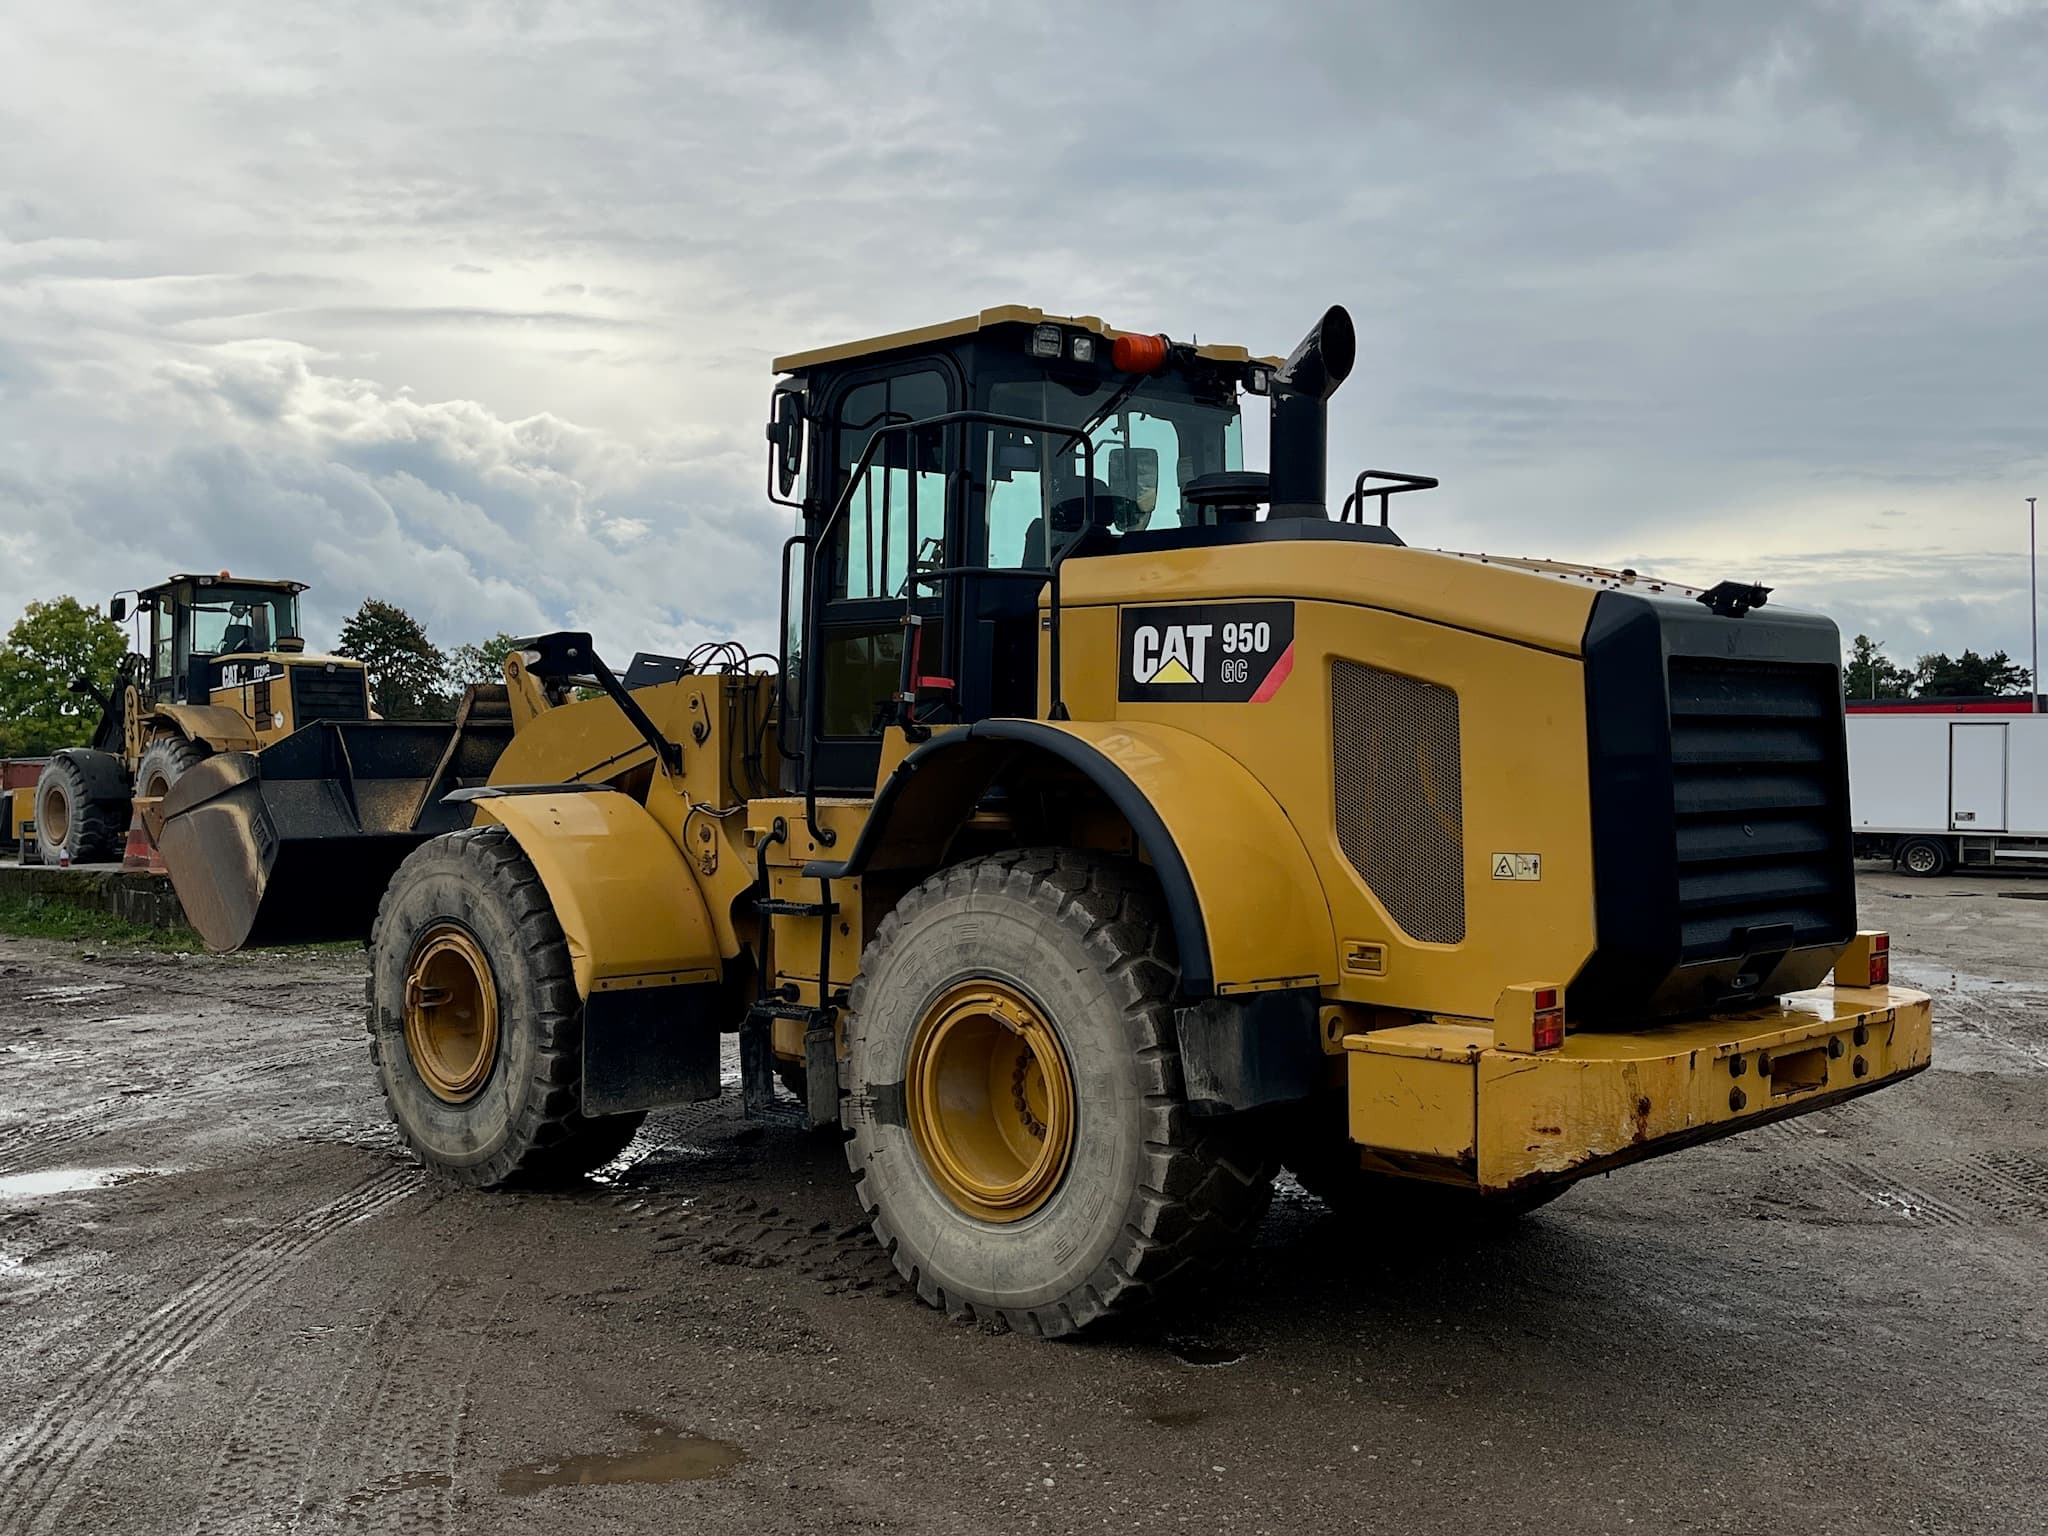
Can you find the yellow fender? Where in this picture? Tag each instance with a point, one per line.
(213, 725)
(626, 899)
(1248, 911)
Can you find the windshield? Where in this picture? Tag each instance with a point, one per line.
(230, 619)
(1146, 450)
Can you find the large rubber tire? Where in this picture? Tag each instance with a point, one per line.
(1324, 1161)
(164, 761)
(524, 1123)
(1924, 857)
(69, 820)
(1151, 1197)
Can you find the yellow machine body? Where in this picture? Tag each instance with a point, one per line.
(650, 884)
(628, 903)
(1504, 641)
(1445, 1101)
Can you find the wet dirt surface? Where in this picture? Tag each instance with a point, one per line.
(228, 1303)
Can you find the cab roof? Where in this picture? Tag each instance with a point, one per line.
(221, 579)
(1005, 314)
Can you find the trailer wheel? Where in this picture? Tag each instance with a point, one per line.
(163, 762)
(1923, 856)
(1016, 1116)
(475, 1024)
(69, 820)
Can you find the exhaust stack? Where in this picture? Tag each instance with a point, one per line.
(1301, 394)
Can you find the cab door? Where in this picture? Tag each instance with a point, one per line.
(894, 529)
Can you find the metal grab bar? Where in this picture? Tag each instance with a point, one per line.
(1356, 500)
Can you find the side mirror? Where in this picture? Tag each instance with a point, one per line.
(786, 438)
(1134, 475)
(1015, 455)
(117, 609)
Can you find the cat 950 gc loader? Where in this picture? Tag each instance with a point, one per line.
(1121, 826)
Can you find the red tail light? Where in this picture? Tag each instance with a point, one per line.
(1549, 1020)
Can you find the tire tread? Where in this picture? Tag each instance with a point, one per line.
(1206, 1185)
(552, 1140)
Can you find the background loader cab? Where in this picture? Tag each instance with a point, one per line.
(220, 666)
(194, 624)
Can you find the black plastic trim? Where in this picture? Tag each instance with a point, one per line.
(1638, 969)
(1177, 887)
(1278, 530)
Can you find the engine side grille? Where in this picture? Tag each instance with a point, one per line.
(318, 694)
(1756, 773)
(1400, 795)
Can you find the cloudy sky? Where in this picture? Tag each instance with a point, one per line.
(470, 307)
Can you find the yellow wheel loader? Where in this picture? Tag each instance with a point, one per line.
(222, 668)
(1118, 826)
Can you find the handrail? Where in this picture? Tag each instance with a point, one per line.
(814, 607)
(1356, 500)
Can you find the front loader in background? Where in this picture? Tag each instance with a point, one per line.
(1121, 826)
(221, 666)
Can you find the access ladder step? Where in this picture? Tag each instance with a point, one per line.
(775, 906)
(772, 1009)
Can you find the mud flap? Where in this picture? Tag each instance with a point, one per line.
(1248, 1050)
(645, 1047)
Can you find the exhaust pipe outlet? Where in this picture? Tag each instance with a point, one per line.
(1301, 394)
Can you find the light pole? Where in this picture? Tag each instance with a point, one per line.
(2033, 618)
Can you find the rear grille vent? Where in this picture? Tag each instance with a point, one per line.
(1400, 796)
(318, 694)
(1757, 777)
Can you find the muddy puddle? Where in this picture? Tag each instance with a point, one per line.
(666, 1454)
(64, 1181)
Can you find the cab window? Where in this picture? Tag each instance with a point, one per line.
(894, 525)
(1146, 450)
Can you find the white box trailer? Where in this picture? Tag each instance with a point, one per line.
(1936, 785)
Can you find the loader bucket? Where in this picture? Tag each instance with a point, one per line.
(295, 844)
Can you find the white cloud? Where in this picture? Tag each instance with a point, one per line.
(471, 308)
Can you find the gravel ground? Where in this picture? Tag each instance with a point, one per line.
(228, 1303)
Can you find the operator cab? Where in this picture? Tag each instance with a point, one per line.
(195, 622)
(943, 475)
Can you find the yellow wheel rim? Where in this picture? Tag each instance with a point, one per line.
(451, 1013)
(990, 1101)
(53, 816)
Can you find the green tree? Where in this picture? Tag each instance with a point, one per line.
(483, 662)
(1969, 676)
(408, 673)
(1873, 675)
(49, 645)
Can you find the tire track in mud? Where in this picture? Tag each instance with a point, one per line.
(267, 1464)
(1882, 1188)
(38, 1144)
(400, 1470)
(738, 1230)
(42, 1463)
(726, 1225)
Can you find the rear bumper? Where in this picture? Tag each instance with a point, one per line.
(1442, 1101)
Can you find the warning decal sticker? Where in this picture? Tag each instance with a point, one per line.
(1206, 653)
